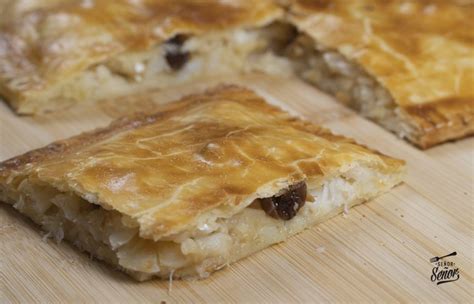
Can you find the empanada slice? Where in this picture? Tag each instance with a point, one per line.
(408, 65)
(200, 184)
(57, 53)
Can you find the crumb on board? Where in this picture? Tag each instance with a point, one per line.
(6, 229)
(46, 236)
(170, 285)
(321, 249)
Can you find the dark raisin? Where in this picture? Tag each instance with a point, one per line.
(177, 60)
(286, 205)
(175, 56)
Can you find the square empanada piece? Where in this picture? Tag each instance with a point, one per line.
(408, 65)
(200, 184)
(57, 53)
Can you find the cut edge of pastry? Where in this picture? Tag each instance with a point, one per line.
(424, 125)
(110, 236)
(183, 58)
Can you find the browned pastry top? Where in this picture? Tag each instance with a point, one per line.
(210, 154)
(43, 41)
(421, 51)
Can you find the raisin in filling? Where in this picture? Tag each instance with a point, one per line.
(286, 205)
(175, 56)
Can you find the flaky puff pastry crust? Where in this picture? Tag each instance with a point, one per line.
(211, 153)
(44, 42)
(420, 51)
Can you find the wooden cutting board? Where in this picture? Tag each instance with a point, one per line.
(380, 252)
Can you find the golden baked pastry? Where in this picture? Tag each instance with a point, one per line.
(408, 65)
(201, 183)
(54, 53)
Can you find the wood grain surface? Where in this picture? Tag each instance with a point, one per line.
(379, 252)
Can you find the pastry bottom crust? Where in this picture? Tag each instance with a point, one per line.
(114, 238)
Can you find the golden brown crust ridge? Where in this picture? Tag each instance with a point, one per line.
(442, 121)
(216, 152)
(420, 51)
